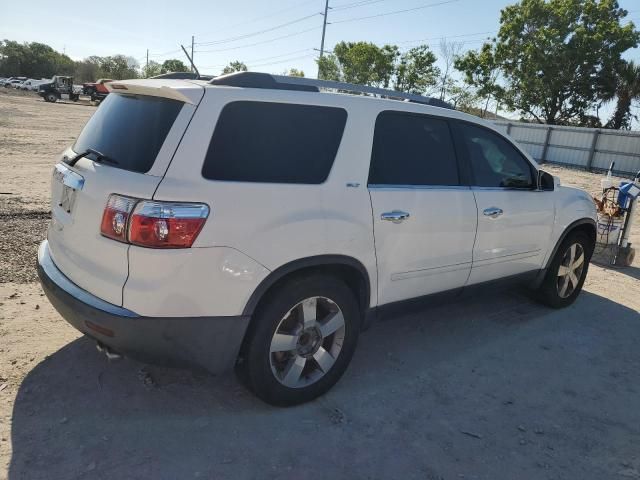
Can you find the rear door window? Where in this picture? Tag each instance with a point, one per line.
(129, 129)
(274, 143)
(412, 149)
(494, 161)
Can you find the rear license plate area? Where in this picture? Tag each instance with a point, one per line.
(71, 182)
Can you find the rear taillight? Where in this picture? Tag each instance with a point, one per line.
(153, 224)
(166, 224)
(116, 216)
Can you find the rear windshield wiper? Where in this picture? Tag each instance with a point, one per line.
(100, 157)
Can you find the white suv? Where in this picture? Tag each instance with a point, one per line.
(258, 221)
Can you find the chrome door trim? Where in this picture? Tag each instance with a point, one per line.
(417, 187)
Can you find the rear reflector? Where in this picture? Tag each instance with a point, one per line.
(116, 216)
(166, 224)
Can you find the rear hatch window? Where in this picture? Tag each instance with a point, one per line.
(129, 129)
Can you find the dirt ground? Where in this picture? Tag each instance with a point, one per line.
(492, 387)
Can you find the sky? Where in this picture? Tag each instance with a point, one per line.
(269, 36)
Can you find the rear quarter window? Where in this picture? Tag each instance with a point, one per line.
(129, 129)
(274, 143)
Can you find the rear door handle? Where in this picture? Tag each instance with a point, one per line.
(396, 216)
(493, 212)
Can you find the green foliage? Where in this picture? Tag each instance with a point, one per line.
(236, 66)
(463, 96)
(328, 68)
(416, 71)
(294, 72)
(88, 70)
(557, 58)
(118, 67)
(151, 69)
(173, 65)
(627, 90)
(34, 60)
(364, 63)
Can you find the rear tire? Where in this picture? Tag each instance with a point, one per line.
(566, 274)
(51, 97)
(301, 340)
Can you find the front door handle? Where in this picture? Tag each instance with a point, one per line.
(493, 212)
(396, 216)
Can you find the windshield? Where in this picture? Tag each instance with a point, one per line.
(129, 129)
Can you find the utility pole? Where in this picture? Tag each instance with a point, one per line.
(193, 66)
(324, 29)
(192, 40)
(147, 69)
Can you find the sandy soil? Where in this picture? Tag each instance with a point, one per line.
(491, 387)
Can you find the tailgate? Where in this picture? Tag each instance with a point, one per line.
(139, 129)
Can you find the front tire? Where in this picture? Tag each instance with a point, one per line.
(301, 341)
(566, 274)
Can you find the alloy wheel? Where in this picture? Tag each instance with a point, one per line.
(307, 342)
(570, 270)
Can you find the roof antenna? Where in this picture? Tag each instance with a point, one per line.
(190, 61)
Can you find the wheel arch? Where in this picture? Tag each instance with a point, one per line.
(586, 224)
(351, 270)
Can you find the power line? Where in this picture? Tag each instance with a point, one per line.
(265, 58)
(282, 61)
(272, 14)
(446, 37)
(239, 47)
(259, 32)
(361, 3)
(165, 53)
(395, 12)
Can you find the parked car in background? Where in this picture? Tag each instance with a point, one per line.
(32, 84)
(96, 90)
(255, 221)
(8, 80)
(15, 83)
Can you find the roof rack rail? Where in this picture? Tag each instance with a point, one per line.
(283, 82)
(183, 76)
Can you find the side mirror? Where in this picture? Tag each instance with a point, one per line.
(546, 182)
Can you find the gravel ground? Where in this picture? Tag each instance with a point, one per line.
(490, 387)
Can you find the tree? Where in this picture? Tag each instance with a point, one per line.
(33, 60)
(328, 68)
(294, 72)
(449, 52)
(364, 63)
(557, 58)
(151, 69)
(88, 70)
(626, 91)
(463, 97)
(119, 67)
(481, 72)
(236, 66)
(416, 71)
(173, 65)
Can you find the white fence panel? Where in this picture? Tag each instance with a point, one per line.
(588, 148)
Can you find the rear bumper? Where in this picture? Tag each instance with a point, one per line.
(212, 343)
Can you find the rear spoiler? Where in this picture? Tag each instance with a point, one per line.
(182, 91)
